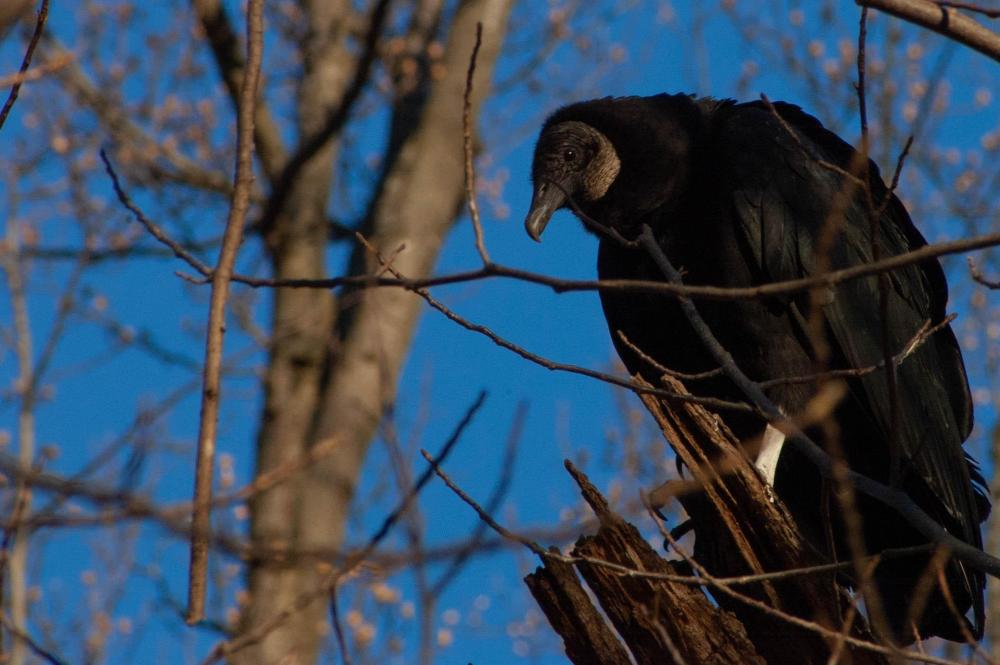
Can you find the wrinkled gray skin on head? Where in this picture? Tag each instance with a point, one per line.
(572, 159)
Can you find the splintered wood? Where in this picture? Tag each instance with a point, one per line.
(740, 529)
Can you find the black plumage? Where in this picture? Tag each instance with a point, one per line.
(737, 197)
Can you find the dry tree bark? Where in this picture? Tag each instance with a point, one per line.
(741, 528)
(656, 618)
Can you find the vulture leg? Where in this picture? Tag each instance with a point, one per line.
(770, 449)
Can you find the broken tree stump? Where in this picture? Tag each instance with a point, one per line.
(741, 529)
(658, 619)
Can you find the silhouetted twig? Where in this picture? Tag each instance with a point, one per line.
(43, 14)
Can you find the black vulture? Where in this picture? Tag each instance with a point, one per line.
(744, 194)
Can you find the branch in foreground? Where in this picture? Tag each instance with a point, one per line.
(942, 19)
(212, 382)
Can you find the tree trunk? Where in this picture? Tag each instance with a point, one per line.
(332, 381)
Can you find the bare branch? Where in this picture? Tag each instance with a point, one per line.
(243, 180)
(944, 20)
(968, 6)
(828, 279)
(43, 14)
(470, 173)
(978, 276)
(151, 226)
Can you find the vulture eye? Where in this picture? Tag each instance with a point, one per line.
(569, 154)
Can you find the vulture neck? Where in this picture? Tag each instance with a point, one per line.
(658, 163)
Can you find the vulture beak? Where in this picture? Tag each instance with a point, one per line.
(546, 199)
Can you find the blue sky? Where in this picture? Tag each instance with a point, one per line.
(568, 416)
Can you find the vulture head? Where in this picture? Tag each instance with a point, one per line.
(614, 159)
(572, 161)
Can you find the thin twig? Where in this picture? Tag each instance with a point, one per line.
(922, 335)
(492, 504)
(207, 428)
(709, 402)
(493, 270)
(978, 276)
(338, 628)
(652, 362)
(43, 14)
(483, 515)
(470, 173)
(152, 227)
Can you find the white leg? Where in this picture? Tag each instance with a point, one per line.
(767, 456)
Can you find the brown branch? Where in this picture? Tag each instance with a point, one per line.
(829, 279)
(480, 511)
(207, 429)
(43, 14)
(492, 503)
(470, 173)
(652, 362)
(915, 343)
(943, 20)
(978, 276)
(968, 6)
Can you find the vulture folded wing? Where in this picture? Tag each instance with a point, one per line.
(801, 217)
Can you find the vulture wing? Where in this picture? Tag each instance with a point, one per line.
(794, 212)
